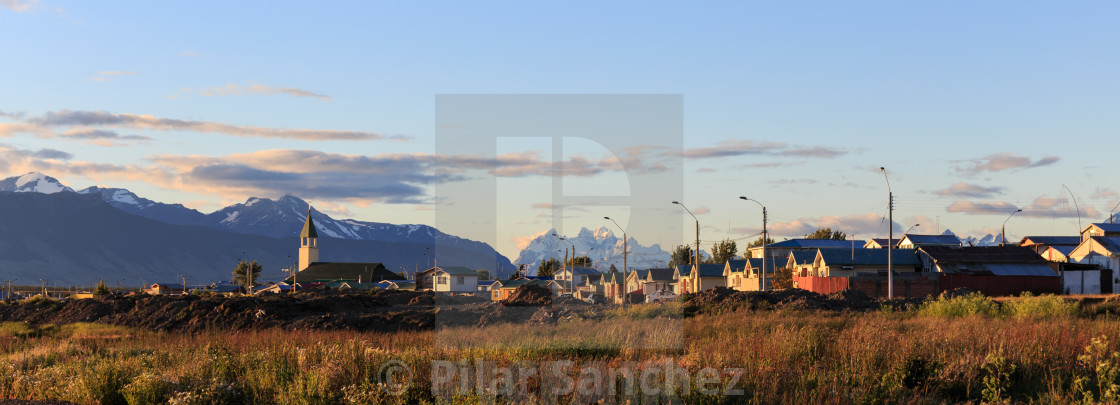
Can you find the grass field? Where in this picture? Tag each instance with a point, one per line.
(966, 349)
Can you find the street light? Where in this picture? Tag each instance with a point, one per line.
(761, 274)
(890, 235)
(1003, 228)
(911, 228)
(696, 266)
(625, 252)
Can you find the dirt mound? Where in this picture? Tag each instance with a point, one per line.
(528, 295)
(721, 299)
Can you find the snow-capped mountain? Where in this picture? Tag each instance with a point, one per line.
(281, 218)
(601, 245)
(33, 182)
(986, 240)
(131, 203)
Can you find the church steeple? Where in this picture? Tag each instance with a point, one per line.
(308, 242)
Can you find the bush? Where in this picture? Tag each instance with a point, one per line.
(147, 389)
(1044, 306)
(963, 305)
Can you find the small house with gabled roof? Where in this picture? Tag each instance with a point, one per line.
(733, 270)
(914, 241)
(448, 279)
(850, 263)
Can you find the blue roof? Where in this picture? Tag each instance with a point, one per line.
(1054, 240)
(584, 271)
(814, 243)
(933, 239)
(803, 256)
(486, 282)
(869, 257)
(711, 270)
(737, 266)
(756, 262)
(684, 269)
(1110, 243)
(1107, 227)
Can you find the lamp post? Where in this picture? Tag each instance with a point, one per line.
(890, 235)
(761, 274)
(696, 265)
(625, 253)
(1003, 228)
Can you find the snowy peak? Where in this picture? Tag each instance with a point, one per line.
(968, 240)
(115, 196)
(601, 245)
(33, 182)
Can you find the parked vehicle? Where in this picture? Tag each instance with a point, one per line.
(661, 296)
(596, 299)
(564, 295)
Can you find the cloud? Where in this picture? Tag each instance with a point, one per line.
(706, 170)
(256, 89)
(109, 75)
(736, 147)
(863, 226)
(981, 208)
(1041, 207)
(20, 6)
(102, 137)
(969, 190)
(9, 152)
(701, 210)
(1105, 194)
(189, 54)
(793, 181)
(148, 122)
(523, 242)
(8, 129)
(551, 206)
(1003, 161)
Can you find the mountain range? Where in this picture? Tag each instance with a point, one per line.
(601, 245)
(269, 226)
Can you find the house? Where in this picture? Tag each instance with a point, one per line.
(800, 262)
(572, 278)
(611, 286)
(276, 288)
(850, 263)
(733, 271)
(781, 250)
(356, 286)
(649, 281)
(1100, 245)
(913, 241)
(1041, 244)
(752, 280)
(501, 289)
(397, 285)
(158, 289)
(877, 243)
(991, 270)
(1058, 253)
(683, 276)
(448, 279)
(703, 277)
(223, 288)
(484, 285)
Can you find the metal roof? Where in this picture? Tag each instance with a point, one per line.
(869, 257)
(710, 270)
(813, 243)
(1107, 227)
(932, 239)
(660, 275)
(1001, 269)
(805, 256)
(756, 262)
(1051, 240)
(737, 266)
(684, 270)
(982, 254)
(372, 272)
(458, 271)
(1109, 243)
(584, 271)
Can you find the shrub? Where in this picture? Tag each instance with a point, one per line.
(103, 380)
(997, 377)
(147, 389)
(963, 305)
(1102, 369)
(1044, 306)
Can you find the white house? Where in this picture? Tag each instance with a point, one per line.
(448, 279)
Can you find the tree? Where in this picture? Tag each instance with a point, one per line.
(101, 288)
(239, 272)
(827, 233)
(723, 251)
(682, 254)
(548, 267)
(483, 274)
(756, 243)
(582, 261)
(613, 269)
(783, 278)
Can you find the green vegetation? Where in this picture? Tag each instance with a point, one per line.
(102, 289)
(723, 251)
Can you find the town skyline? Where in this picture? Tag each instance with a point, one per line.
(974, 110)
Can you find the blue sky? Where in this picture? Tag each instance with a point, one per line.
(975, 109)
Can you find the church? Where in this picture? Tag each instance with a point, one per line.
(312, 270)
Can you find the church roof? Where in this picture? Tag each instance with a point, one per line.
(328, 271)
(308, 227)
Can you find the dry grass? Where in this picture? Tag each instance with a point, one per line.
(786, 357)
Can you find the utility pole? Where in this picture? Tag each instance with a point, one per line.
(890, 235)
(625, 253)
(44, 287)
(762, 273)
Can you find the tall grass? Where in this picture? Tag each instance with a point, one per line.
(1030, 349)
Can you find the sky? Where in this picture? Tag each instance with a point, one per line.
(975, 111)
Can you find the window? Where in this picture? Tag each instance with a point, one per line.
(441, 280)
(459, 280)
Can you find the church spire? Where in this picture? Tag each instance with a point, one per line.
(308, 242)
